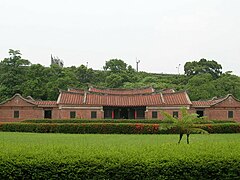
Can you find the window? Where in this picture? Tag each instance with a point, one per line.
(154, 114)
(175, 114)
(16, 114)
(200, 113)
(230, 114)
(93, 114)
(48, 114)
(72, 114)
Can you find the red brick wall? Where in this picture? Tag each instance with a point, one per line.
(29, 111)
(219, 113)
(222, 114)
(80, 113)
(148, 114)
(7, 113)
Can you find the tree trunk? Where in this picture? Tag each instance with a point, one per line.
(180, 138)
(188, 138)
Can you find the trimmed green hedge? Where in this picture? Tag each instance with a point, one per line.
(117, 169)
(111, 128)
(152, 121)
(221, 128)
(83, 128)
(147, 121)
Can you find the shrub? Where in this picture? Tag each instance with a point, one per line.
(221, 128)
(115, 168)
(147, 121)
(112, 128)
(90, 128)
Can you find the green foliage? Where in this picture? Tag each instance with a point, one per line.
(13, 71)
(114, 81)
(61, 156)
(147, 121)
(185, 124)
(82, 128)
(115, 65)
(141, 121)
(202, 67)
(86, 127)
(227, 84)
(201, 87)
(221, 128)
(202, 79)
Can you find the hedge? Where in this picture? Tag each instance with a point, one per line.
(150, 121)
(111, 128)
(83, 128)
(147, 121)
(221, 128)
(190, 168)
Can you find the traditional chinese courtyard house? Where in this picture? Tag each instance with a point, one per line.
(95, 103)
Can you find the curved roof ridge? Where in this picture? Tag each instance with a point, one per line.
(176, 92)
(167, 90)
(122, 91)
(106, 88)
(71, 92)
(112, 94)
(20, 96)
(224, 98)
(215, 100)
(75, 90)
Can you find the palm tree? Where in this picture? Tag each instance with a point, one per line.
(185, 124)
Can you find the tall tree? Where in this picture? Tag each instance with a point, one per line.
(203, 66)
(35, 85)
(115, 65)
(84, 75)
(13, 73)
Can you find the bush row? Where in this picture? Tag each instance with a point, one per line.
(83, 128)
(111, 128)
(147, 121)
(221, 128)
(188, 168)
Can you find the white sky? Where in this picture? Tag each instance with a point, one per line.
(161, 33)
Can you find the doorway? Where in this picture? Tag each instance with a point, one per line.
(48, 114)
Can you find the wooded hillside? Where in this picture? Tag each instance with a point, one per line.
(203, 79)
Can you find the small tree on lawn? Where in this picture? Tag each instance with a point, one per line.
(185, 124)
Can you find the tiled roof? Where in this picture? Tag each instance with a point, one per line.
(177, 98)
(66, 97)
(148, 90)
(207, 103)
(119, 100)
(71, 98)
(46, 103)
(201, 103)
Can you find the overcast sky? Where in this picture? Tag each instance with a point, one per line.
(161, 33)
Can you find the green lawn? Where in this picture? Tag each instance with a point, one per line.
(91, 145)
(117, 151)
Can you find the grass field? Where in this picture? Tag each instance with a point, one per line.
(106, 153)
